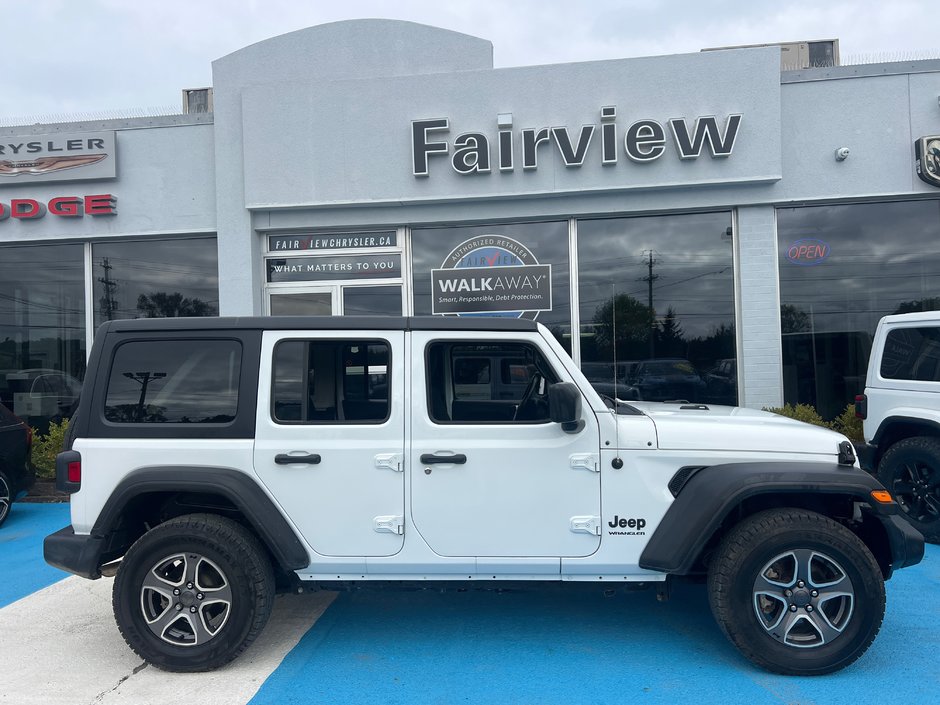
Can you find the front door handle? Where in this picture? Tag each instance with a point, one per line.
(431, 459)
(285, 459)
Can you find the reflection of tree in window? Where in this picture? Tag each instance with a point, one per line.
(793, 319)
(160, 304)
(918, 306)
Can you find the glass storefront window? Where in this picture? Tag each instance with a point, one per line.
(155, 278)
(42, 331)
(656, 298)
(843, 267)
(517, 271)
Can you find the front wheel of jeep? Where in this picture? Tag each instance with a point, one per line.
(193, 593)
(796, 592)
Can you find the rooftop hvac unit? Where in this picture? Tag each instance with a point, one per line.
(197, 100)
(795, 56)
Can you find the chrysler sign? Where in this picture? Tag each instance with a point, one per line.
(57, 157)
(643, 140)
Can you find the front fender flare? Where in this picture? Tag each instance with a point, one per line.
(712, 493)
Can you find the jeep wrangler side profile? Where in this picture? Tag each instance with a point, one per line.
(213, 462)
(901, 415)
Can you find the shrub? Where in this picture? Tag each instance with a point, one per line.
(848, 424)
(845, 423)
(47, 447)
(801, 412)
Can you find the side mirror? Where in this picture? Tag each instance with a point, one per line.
(564, 406)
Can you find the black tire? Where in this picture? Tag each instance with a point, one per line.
(193, 593)
(6, 498)
(796, 592)
(910, 470)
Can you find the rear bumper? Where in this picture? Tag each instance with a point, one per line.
(74, 553)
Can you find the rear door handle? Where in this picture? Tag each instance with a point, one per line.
(432, 459)
(285, 459)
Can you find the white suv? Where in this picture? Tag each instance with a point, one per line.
(213, 462)
(901, 412)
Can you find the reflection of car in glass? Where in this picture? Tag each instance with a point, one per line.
(39, 391)
(16, 474)
(825, 369)
(721, 382)
(668, 379)
(601, 377)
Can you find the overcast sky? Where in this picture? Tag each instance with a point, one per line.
(68, 58)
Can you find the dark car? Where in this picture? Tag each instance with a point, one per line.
(601, 377)
(16, 473)
(668, 380)
(39, 394)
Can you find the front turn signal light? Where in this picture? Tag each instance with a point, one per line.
(882, 496)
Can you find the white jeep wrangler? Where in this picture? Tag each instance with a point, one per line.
(213, 462)
(901, 412)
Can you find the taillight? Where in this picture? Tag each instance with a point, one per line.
(75, 472)
(68, 471)
(861, 406)
(29, 436)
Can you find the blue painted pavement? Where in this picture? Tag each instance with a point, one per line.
(22, 568)
(545, 646)
(581, 647)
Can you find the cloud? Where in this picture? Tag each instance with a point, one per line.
(70, 57)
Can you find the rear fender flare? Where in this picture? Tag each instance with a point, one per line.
(238, 488)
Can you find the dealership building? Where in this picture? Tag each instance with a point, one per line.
(701, 226)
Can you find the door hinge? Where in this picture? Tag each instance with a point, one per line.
(389, 525)
(389, 461)
(585, 461)
(586, 525)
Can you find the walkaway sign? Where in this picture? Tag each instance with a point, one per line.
(927, 159)
(494, 275)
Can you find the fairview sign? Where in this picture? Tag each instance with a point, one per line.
(644, 140)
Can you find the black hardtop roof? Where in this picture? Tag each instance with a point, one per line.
(433, 323)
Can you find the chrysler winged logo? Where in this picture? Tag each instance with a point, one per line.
(927, 154)
(46, 165)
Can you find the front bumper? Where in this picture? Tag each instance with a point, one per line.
(73, 553)
(906, 542)
(866, 454)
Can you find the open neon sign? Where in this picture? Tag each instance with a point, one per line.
(808, 252)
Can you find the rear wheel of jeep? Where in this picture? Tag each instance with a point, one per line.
(796, 592)
(6, 498)
(911, 472)
(193, 593)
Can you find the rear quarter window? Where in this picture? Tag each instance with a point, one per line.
(912, 354)
(181, 381)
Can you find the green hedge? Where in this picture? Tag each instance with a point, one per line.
(47, 447)
(845, 423)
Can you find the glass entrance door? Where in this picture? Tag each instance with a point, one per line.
(312, 301)
(372, 300)
(337, 300)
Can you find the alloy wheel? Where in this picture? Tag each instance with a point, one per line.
(803, 598)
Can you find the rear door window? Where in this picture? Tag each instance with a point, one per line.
(331, 381)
